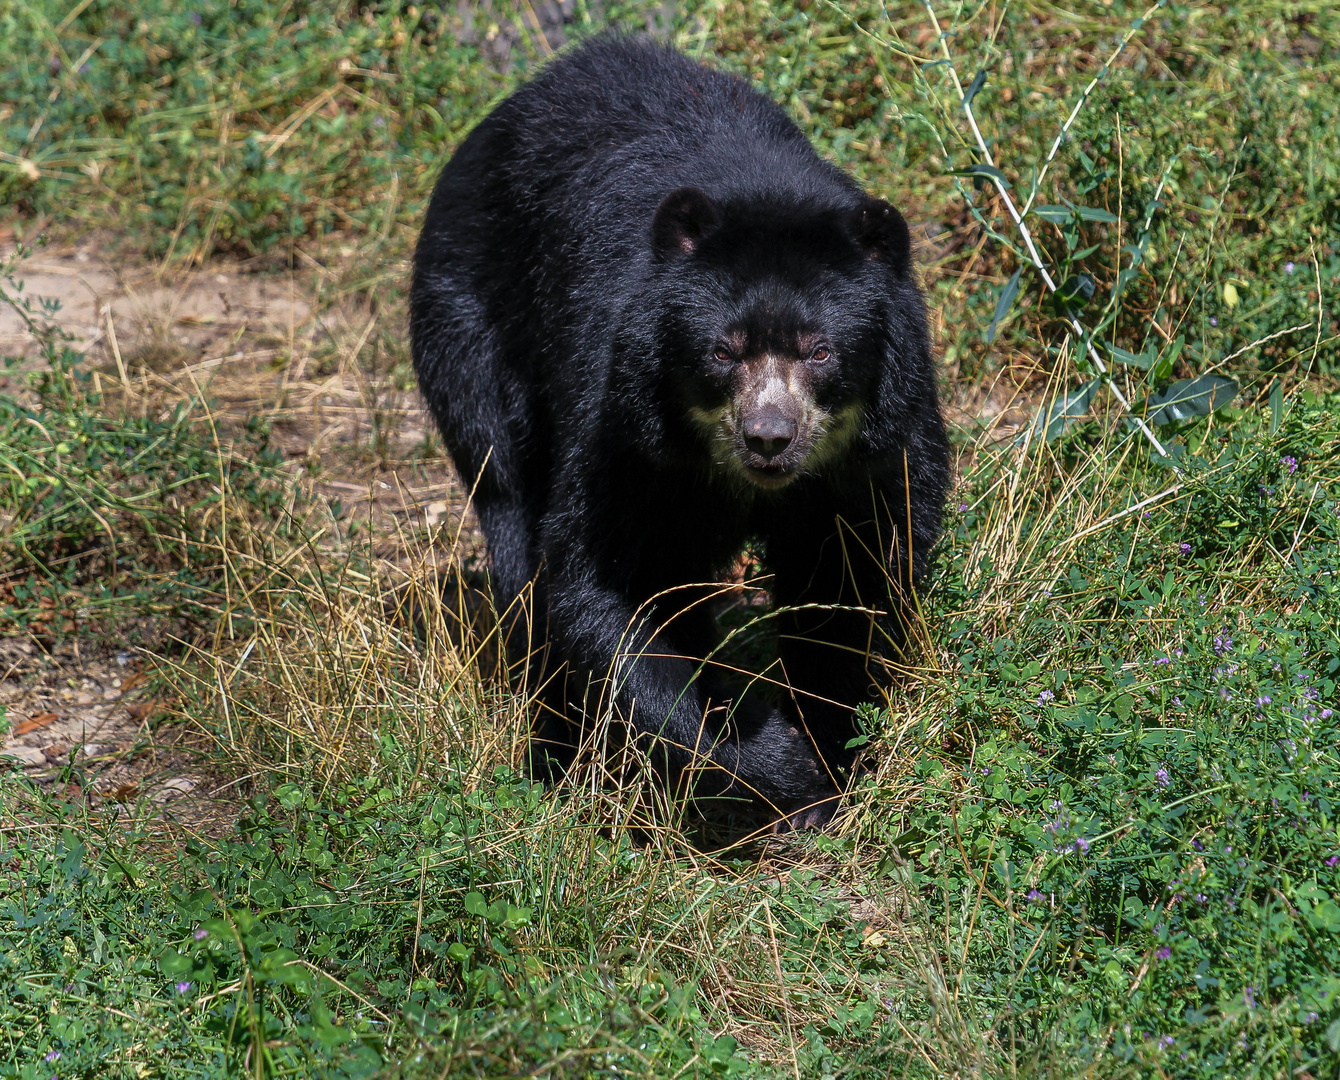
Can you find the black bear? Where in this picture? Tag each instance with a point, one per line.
(655, 327)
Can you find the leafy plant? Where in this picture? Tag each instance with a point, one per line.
(1143, 825)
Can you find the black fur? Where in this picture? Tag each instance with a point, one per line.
(600, 258)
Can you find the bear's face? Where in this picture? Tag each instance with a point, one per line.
(772, 331)
(770, 401)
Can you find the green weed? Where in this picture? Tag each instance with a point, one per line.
(1141, 820)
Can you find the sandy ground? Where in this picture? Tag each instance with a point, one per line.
(82, 726)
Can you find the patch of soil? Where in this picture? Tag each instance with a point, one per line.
(86, 725)
(191, 314)
(318, 352)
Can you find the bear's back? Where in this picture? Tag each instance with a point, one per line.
(577, 160)
(624, 121)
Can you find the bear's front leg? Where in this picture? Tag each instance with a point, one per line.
(655, 687)
(843, 591)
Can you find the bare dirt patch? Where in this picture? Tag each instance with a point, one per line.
(195, 313)
(318, 350)
(87, 724)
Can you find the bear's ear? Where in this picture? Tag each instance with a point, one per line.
(683, 219)
(880, 231)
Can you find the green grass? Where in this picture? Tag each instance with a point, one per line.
(1143, 822)
(1099, 837)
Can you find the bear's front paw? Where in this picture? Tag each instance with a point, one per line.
(780, 763)
(814, 815)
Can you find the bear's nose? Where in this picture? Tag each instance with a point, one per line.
(769, 432)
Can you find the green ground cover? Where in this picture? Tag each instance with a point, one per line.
(1100, 837)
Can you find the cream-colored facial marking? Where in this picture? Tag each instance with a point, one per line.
(719, 427)
(774, 383)
(834, 433)
(771, 381)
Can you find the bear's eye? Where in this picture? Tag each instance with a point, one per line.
(723, 354)
(820, 355)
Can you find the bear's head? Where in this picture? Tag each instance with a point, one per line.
(774, 326)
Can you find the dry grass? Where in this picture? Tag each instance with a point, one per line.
(363, 653)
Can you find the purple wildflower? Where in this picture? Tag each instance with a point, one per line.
(1035, 897)
(1289, 267)
(1163, 952)
(1214, 321)
(1162, 660)
(1222, 644)
(52, 1055)
(1184, 548)
(1201, 898)
(1290, 463)
(183, 988)
(1263, 700)
(1166, 1041)
(1161, 777)
(1045, 697)
(1081, 845)
(1311, 1018)
(196, 18)
(1249, 996)
(1334, 860)
(962, 508)
(1326, 714)
(200, 933)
